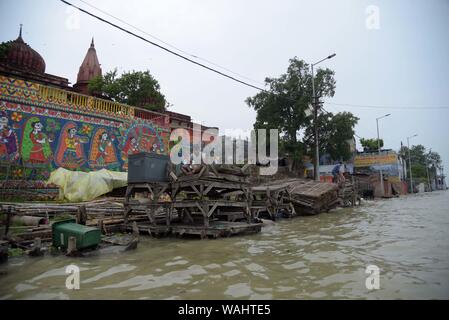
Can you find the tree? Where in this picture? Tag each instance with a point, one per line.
(420, 158)
(418, 155)
(4, 49)
(433, 158)
(334, 133)
(135, 88)
(286, 100)
(371, 144)
(433, 163)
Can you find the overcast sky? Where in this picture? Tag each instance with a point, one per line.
(400, 59)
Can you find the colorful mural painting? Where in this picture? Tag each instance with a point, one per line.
(388, 162)
(70, 152)
(36, 138)
(142, 136)
(8, 139)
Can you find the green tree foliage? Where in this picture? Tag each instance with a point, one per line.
(421, 158)
(4, 49)
(334, 133)
(418, 155)
(284, 104)
(371, 144)
(135, 88)
(433, 158)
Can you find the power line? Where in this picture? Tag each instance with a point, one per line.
(387, 107)
(168, 44)
(162, 47)
(212, 69)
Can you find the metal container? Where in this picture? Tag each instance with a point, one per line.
(147, 167)
(86, 237)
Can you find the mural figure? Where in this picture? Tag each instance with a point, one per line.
(131, 147)
(70, 150)
(35, 144)
(151, 141)
(102, 154)
(8, 140)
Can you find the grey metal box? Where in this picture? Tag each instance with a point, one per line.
(147, 167)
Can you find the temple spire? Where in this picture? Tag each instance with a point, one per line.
(89, 69)
(19, 38)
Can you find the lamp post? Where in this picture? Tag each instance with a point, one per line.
(427, 170)
(379, 151)
(316, 163)
(443, 182)
(410, 162)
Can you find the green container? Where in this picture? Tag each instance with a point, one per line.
(86, 237)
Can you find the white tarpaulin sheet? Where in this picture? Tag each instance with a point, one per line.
(78, 186)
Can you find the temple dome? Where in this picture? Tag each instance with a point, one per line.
(20, 55)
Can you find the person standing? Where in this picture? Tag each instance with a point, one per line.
(336, 172)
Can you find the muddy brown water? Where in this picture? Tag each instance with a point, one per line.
(319, 257)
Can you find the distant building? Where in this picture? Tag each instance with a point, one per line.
(439, 183)
(372, 162)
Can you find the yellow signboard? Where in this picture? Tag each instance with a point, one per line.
(370, 160)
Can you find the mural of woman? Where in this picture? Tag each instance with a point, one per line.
(131, 147)
(35, 144)
(8, 140)
(70, 152)
(102, 154)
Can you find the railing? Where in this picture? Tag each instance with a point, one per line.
(148, 115)
(85, 103)
(75, 101)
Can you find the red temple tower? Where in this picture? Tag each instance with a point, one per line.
(89, 69)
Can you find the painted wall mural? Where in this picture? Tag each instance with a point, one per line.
(35, 140)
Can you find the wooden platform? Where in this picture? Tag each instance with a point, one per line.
(215, 230)
(151, 230)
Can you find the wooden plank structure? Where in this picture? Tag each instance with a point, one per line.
(215, 230)
(212, 192)
(211, 200)
(293, 196)
(347, 192)
(269, 199)
(313, 197)
(208, 201)
(152, 193)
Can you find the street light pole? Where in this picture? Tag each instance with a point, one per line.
(443, 183)
(316, 162)
(427, 170)
(410, 162)
(382, 193)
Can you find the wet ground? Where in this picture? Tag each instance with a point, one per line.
(322, 257)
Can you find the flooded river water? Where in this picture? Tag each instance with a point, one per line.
(322, 257)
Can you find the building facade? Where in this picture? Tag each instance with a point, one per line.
(372, 162)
